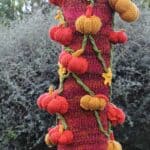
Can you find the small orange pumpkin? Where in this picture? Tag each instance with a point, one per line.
(88, 25)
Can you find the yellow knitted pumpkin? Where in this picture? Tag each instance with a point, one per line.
(88, 102)
(131, 15)
(94, 103)
(114, 145)
(127, 10)
(88, 25)
(84, 102)
(122, 5)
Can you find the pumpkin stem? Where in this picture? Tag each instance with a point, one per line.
(89, 10)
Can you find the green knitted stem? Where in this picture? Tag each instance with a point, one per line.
(98, 53)
(100, 124)
(85, 87)
(84, 42)
(68, 49)
(63, 121)
(61, 82)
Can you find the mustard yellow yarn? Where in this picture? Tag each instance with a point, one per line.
(122, 5)
(78, 52)
(88, 102)
(132, 14)
(84, 102)
(127, 10)
(88, 25)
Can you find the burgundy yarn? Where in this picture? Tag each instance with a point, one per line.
(83, 123)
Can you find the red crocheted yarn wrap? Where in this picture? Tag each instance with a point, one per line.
(83, 123)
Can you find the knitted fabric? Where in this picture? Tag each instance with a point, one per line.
(82, 102)
(83, 123)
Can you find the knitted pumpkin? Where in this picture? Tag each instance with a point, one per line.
(74, 64)
(127, 10)
(131, 14)
(44, 100)
(58, 135)
(57, 105)
(118, 37)
(61, 34)
(115, 114)
(122, 6)
(88, 25)
(92, 103)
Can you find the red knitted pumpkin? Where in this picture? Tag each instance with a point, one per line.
(58, 105)
(43, 100)
(66, 137)
(118, 37)
(74, 64)
(56, 135)
(64, 58)
(61, 34)
(122, 37)
(115, 114)
(78, 65)
(113, 37)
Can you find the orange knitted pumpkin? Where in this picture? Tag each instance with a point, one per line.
(127, 10)
(88, 25)
(88, 102)
(131, 14)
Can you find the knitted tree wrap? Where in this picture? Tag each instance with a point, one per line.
(83, 107)
(83, 123)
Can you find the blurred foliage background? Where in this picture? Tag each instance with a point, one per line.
(28, 65)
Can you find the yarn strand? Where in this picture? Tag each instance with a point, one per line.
(85, 87)
(100, 124)
(84, 42)
(98, 53)
(63, 121)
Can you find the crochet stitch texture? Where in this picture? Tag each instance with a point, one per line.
(82, 102)
(83, 123)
